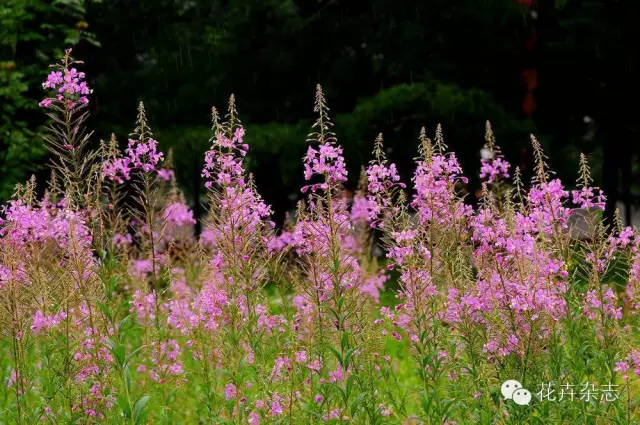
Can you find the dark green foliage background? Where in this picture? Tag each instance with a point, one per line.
(386, 66)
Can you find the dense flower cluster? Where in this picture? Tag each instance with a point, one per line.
(223, 162)
(142, 155)
(71, 90)
(326, 161)
(401, 304)
(494, 168)
(435, 182)
(179, 214)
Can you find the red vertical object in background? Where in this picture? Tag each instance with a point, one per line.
(529, 74)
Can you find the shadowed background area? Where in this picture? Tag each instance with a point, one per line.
(565, 70)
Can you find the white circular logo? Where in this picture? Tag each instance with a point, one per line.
(521, 397)
(508, 387)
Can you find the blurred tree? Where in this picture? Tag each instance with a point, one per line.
(385, 66)
(399, 112)
(182, 56)
(588, 64)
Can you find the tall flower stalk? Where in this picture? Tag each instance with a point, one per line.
(392, 304)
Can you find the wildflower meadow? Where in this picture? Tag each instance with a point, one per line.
(401, 304)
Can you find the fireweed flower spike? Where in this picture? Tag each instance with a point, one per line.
(114, 311)
(337, 277)
(142, 155)
(230, 303)
(410, 234)
(493, 165)
(383, 183)
(324, 160)
(68, 85)
(67, 139)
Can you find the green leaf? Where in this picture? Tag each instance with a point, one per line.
(360, 399)
(127, 378)
(139, 411)
(344, 341)
(337, 354)
(133, 353)
(118, 352)
(124, 405)
(349, 385)
(426, 403)
(124, 322)
(347, 357)
(170, 396)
